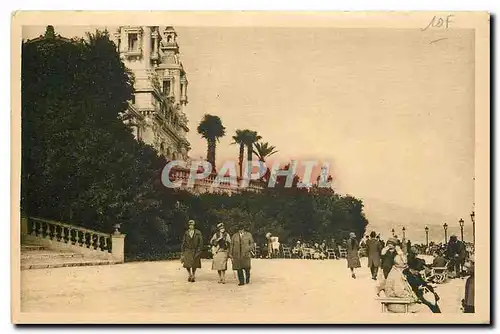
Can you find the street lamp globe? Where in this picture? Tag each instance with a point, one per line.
(473, 216)
(461, 222)
(426, 229)
(445, 226)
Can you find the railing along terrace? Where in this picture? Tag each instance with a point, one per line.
(69, 234)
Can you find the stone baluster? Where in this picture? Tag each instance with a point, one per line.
(33, 228)
(91, 240)
(98, 243)
(63, 234)
(105, 244)
(40, 229)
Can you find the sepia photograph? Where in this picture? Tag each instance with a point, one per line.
(250, 167)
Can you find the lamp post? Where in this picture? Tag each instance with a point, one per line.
(392, 232)
(473, 218)
(461, 222)
(404, 235)
(445, 226)
(427, 236)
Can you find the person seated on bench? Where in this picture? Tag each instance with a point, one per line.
(396, 286)
(439, 260)
(423, 290)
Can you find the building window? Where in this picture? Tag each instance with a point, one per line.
(166, 87)
(133, 42)
(133, 98)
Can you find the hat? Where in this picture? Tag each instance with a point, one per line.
(220, 225)
(393, 241)
(352, 235)
(191, 222)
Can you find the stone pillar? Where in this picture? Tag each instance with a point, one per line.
(24, 225)
(118, 247)
(124, 40)
(147, 47)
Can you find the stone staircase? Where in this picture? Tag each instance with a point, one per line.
(50, 244)
(38, 257)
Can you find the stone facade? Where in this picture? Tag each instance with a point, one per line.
(160, 88)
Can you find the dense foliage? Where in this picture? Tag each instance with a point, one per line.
(81, 163)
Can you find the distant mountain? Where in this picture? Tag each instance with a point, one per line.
(384, 216)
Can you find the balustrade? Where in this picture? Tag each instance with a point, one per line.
(69, 234)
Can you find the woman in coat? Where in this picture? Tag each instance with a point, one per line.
(240, 251)
(192, 245)
(352, 254)
(220, 241)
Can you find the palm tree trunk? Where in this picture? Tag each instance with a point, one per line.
(240, 158)
(211, 153)
(249, 159)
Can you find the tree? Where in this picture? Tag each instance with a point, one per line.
(250, 137)
(212, 130)
(263, 150)
(80, 162)
(239, 139)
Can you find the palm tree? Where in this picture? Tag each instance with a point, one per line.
(211, 129)
(263, 150)
(239, 139)
(250, 137)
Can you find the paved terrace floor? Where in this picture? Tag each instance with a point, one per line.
(278, 286)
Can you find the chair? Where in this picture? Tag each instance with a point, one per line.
(287, 252)
(438, 275)
(330, 254)
(306, 253)
(342, 251)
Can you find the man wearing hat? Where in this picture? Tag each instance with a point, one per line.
(192, 245)
(220, 243)
(240, 251)
(373, 250)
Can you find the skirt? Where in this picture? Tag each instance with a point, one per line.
(220, 261)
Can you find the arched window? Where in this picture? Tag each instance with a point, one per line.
(169, 38)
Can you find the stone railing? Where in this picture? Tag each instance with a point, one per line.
(58, 235)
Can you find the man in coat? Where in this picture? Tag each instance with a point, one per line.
(373, 250)
(240, 251)
(192, 246)
(456, 253)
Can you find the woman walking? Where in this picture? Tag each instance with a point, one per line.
(352, 254)
(192, 245)
(220, 241)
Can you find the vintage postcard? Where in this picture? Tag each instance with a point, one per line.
(250, 167)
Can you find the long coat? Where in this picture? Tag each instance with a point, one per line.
(373, 249)
(240, 250)
(191, 249)
(352, 254)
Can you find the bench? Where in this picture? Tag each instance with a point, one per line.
(391, 300)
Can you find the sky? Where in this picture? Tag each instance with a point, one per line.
(391, 110)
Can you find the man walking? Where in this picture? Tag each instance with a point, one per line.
(241, 248)
(373, 250)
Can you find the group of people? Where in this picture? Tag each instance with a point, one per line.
(402, 270)
(240, 248)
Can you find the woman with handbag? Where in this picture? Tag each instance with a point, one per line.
(220, 244)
